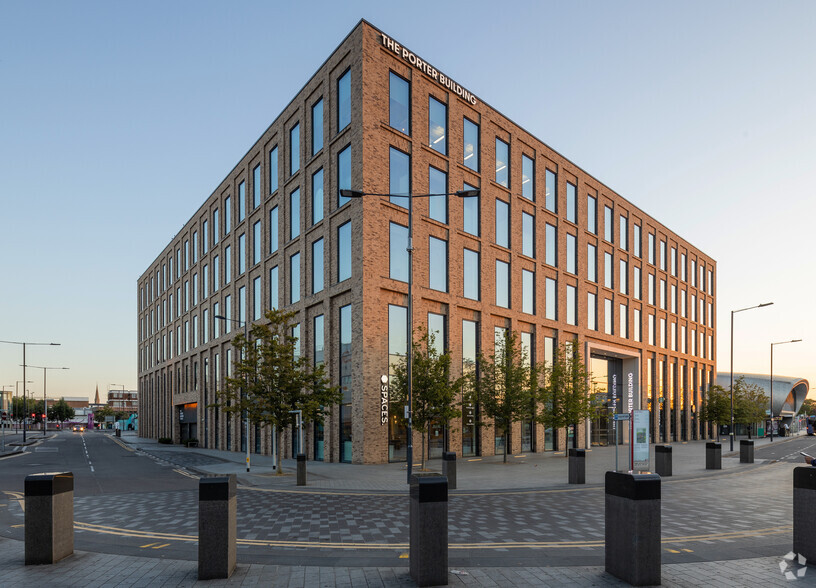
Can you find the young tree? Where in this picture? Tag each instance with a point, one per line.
(717, 406)
(502, 389)
(808, 407)
(750, 403)
(564, 392)
(60, 411)
(269, 380)
(101, 413)
(434, 391)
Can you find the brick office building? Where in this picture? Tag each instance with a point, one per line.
(545, 250)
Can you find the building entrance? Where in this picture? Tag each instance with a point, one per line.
(605, 375)
(188, 422)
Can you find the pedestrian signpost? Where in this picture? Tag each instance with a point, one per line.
(618, 416)
(639, 457)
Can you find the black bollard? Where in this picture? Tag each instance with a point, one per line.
(49, 517)
(713, 456)
(804, 512)
(632, 515)
(449, 468)
(301, 469)
(577, 466)
(217, 529)
(746, 451)
(428, 551)
(663, 460)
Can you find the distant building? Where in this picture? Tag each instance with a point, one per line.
(123, 400)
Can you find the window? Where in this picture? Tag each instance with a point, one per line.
(502, 223)
(399, 177)
(663, 255)
(317, 126)
(205, 241)
(318, 342)
(294, 214)
(550, 299)
(636, 240)
(205, 282)
(294, 278)
(398, 252)
(527, 178)
(572, 254)
(592, 263)
(502, 163)
(195, 249)
(273, 287)
(694, 273)
(674, 261)
(399, 100)
(470, 274)
(673, 299)
(663, 294)
(663, 333)
(241, 201)
(470, 132)
(609, 317)
(683, 266)
(187, 266)
(256, 186)
(317, 266)
(710, 282)
(673, 338)
(273, 169)
(242, 304)
(344, 251)
(636, 335)
(470, 212)
(344, 100)
(436, 329)
(227, 216)
(624, 321)
(317, 196)
(651, 247)
(273, 230)
(550, 248)
(592, 311)
(528, 234)
(572, 203)
(572, 305)
(609, 230)
(624, 233)
(502, 284)
(438, 264)
(638, 292)
(228, 315)
(437, 125)
(550, 191)
(438, 205)
(609, 281)
(216, 273)
(227, 264)
(294, 149)
(343, 174)
(624, 276)
(592, 214)
(256, 299)
(241, 253)
(527, 291)
(256, 243)
(652, 330)
(195, 289)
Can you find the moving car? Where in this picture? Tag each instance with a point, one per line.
(78, 429)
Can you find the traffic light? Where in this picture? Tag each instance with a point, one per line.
(33, 415)
(43, 416)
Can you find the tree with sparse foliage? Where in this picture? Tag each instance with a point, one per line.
(717, 406)
(564, 393)
(60, 411)
(808, 407)
(750, 403)
(502, 389)
(433, 392)
(101, 413)
(270, 380)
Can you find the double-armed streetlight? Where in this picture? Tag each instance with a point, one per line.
(733, 312)
(246, 377)
(409, 450)
(770, 412)
(24, 343)
(45, 402)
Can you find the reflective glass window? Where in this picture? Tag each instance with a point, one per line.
(398, 252)
(399, 101)
(470, 133)
(592, 311)
(624, 276)
(241, 253)
(256, 186)
(227, 215)
(592, 263)
(502, 223)
(294, 149)
(344, 251)
(317, 126)
(241, 201)
(273, 230)
(344, 100)
(609, 270)
(572, 305)
(470, 212)
(528, 234)
(317, 266)
(294, 213)
(592, 214)
(527, 177)
(502, 163)
(294, 278)
(551, 191)
(273, 287)
(572, 203)
(256, 299)
(470, 274)
(273, 169)
(437, 125)
(609, 229)
(550, 299)
(317, 196)
(343, 174)
(502, 284)
(399, 176)
(527, 291)
(572, 254)
(256, 242)
(550, 247)
(438, 205)
(438, 264)
(624, 233)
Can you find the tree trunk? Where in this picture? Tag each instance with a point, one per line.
(575, 436)
(505, 444)
(278, 460)
(422, 459)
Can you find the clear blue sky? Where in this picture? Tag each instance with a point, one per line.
(119, 119)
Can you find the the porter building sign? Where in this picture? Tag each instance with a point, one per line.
(427, 69)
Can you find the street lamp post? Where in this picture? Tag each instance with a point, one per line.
(409, 449)
(24, 343)
(45, 402)
(770, 412)
(17, 395)
(246, 381)
(733, 312)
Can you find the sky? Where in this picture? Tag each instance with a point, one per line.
(120, 118)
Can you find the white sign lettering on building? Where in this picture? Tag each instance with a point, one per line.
(383, 399)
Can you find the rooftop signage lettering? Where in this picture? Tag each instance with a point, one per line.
(427, 69)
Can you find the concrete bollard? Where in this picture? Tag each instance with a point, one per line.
(217, 528)
(804, 512)
(746, 451)
(449, 468)
(663, 460)
(301, 469)
(713, 456)
(577, 466)
(428, 517)
(49, 517)
(632, 515)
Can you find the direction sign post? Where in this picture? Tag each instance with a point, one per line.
(618, 416)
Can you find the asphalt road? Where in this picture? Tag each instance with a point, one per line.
(127, 502)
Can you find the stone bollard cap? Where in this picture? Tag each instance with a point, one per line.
(746, 442)
(49, 484)
(804, 477)
(449, 456)
(633, 486)
(429, 488)
(577, 453)
(713, 445)
(217, 487)
(301, 457)
(663, 448)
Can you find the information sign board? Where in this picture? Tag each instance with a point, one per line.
(639, 446)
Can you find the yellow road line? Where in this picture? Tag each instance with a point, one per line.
(160, 546)
(148, 545)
